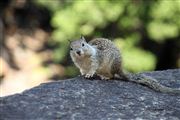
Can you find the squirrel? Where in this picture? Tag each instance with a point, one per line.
(100, 56)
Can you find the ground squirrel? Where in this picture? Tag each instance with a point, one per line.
(101, 57)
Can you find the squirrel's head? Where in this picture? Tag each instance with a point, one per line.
(79, 48)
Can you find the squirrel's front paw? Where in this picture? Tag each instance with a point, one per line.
(89, 75)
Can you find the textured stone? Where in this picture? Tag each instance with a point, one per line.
(80, 99)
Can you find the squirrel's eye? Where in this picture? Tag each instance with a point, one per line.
(83, 44)
(71, 49)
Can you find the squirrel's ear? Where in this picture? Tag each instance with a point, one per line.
(82, 37)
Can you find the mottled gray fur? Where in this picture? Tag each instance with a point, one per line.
(100, 56)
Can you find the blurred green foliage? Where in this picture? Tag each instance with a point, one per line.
(160, 19)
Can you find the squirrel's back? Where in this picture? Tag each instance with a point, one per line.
(102, 43)
(109, 57)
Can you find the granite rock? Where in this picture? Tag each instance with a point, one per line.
(83, 99)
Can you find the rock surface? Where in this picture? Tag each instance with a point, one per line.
(80, 99)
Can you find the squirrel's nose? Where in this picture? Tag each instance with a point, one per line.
(78, 52)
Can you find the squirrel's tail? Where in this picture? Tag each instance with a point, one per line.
(148, 81)
(152, 83)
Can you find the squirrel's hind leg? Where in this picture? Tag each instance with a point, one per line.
(104, 77)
